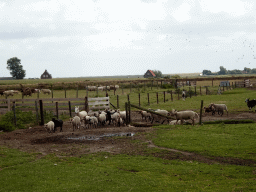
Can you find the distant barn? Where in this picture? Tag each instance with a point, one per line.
(46, 75)
(149, 73)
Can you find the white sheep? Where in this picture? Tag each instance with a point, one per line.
(102, 118)
(115, 118)
(174, 122)
(182, 115)
(76, 122)
(219, 108)
(8, 93)
(49, 126)
(146, 115)
(100, 88)
(81, 114)
(156, 118)
(44, 91)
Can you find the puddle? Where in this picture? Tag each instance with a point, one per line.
(98, 137)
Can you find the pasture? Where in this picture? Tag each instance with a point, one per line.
(215, 157)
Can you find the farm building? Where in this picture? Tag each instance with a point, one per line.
(149, 73)
(46, 75)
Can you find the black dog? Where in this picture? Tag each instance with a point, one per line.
(57, 123)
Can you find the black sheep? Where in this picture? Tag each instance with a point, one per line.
(251, 103)
(57, 123)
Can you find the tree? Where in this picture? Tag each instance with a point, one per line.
(17, 72)
(247, 70)
(207, 72)
(223, 71)
(158, 73)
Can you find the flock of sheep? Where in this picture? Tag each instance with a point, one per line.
(13, 92)
(91, 119)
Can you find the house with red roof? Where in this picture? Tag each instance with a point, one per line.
(149, 74)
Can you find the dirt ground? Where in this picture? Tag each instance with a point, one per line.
(103, 139)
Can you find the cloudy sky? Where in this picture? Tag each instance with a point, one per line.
(119, 37)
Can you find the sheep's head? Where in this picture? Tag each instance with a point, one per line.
(174, 112)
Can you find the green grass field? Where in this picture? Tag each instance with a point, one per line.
(21, 171)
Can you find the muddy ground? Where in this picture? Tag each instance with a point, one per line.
(104, 139)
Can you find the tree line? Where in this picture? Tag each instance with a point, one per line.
(224, 71)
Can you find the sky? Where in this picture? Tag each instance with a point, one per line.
(119, 37)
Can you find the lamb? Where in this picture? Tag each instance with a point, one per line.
(219, 108)
(146, 115)
(44, 91)
(76, 122)
(174, 122)
(57, 123)
(182, 115)
(251, 103)
(49, 126)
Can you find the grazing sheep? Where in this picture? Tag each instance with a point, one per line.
(91, 88)
(76, 122)
(183, 115)
(219, 108)
(8, 93)
(44, 91)
(49, 126)
(146, 115)
(251, 103)
(156, 117)
(57, 123)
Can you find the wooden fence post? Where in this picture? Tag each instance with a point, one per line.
(190, 92)
(9, 104)
(201, 109)
(128, 97)
(157, 97)
(57, 109)
(37, 116)
(171, 96)
(87, 92)
(14, 114)
(52, 93)
(69, 107)
(86, 106)
(41, 112)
